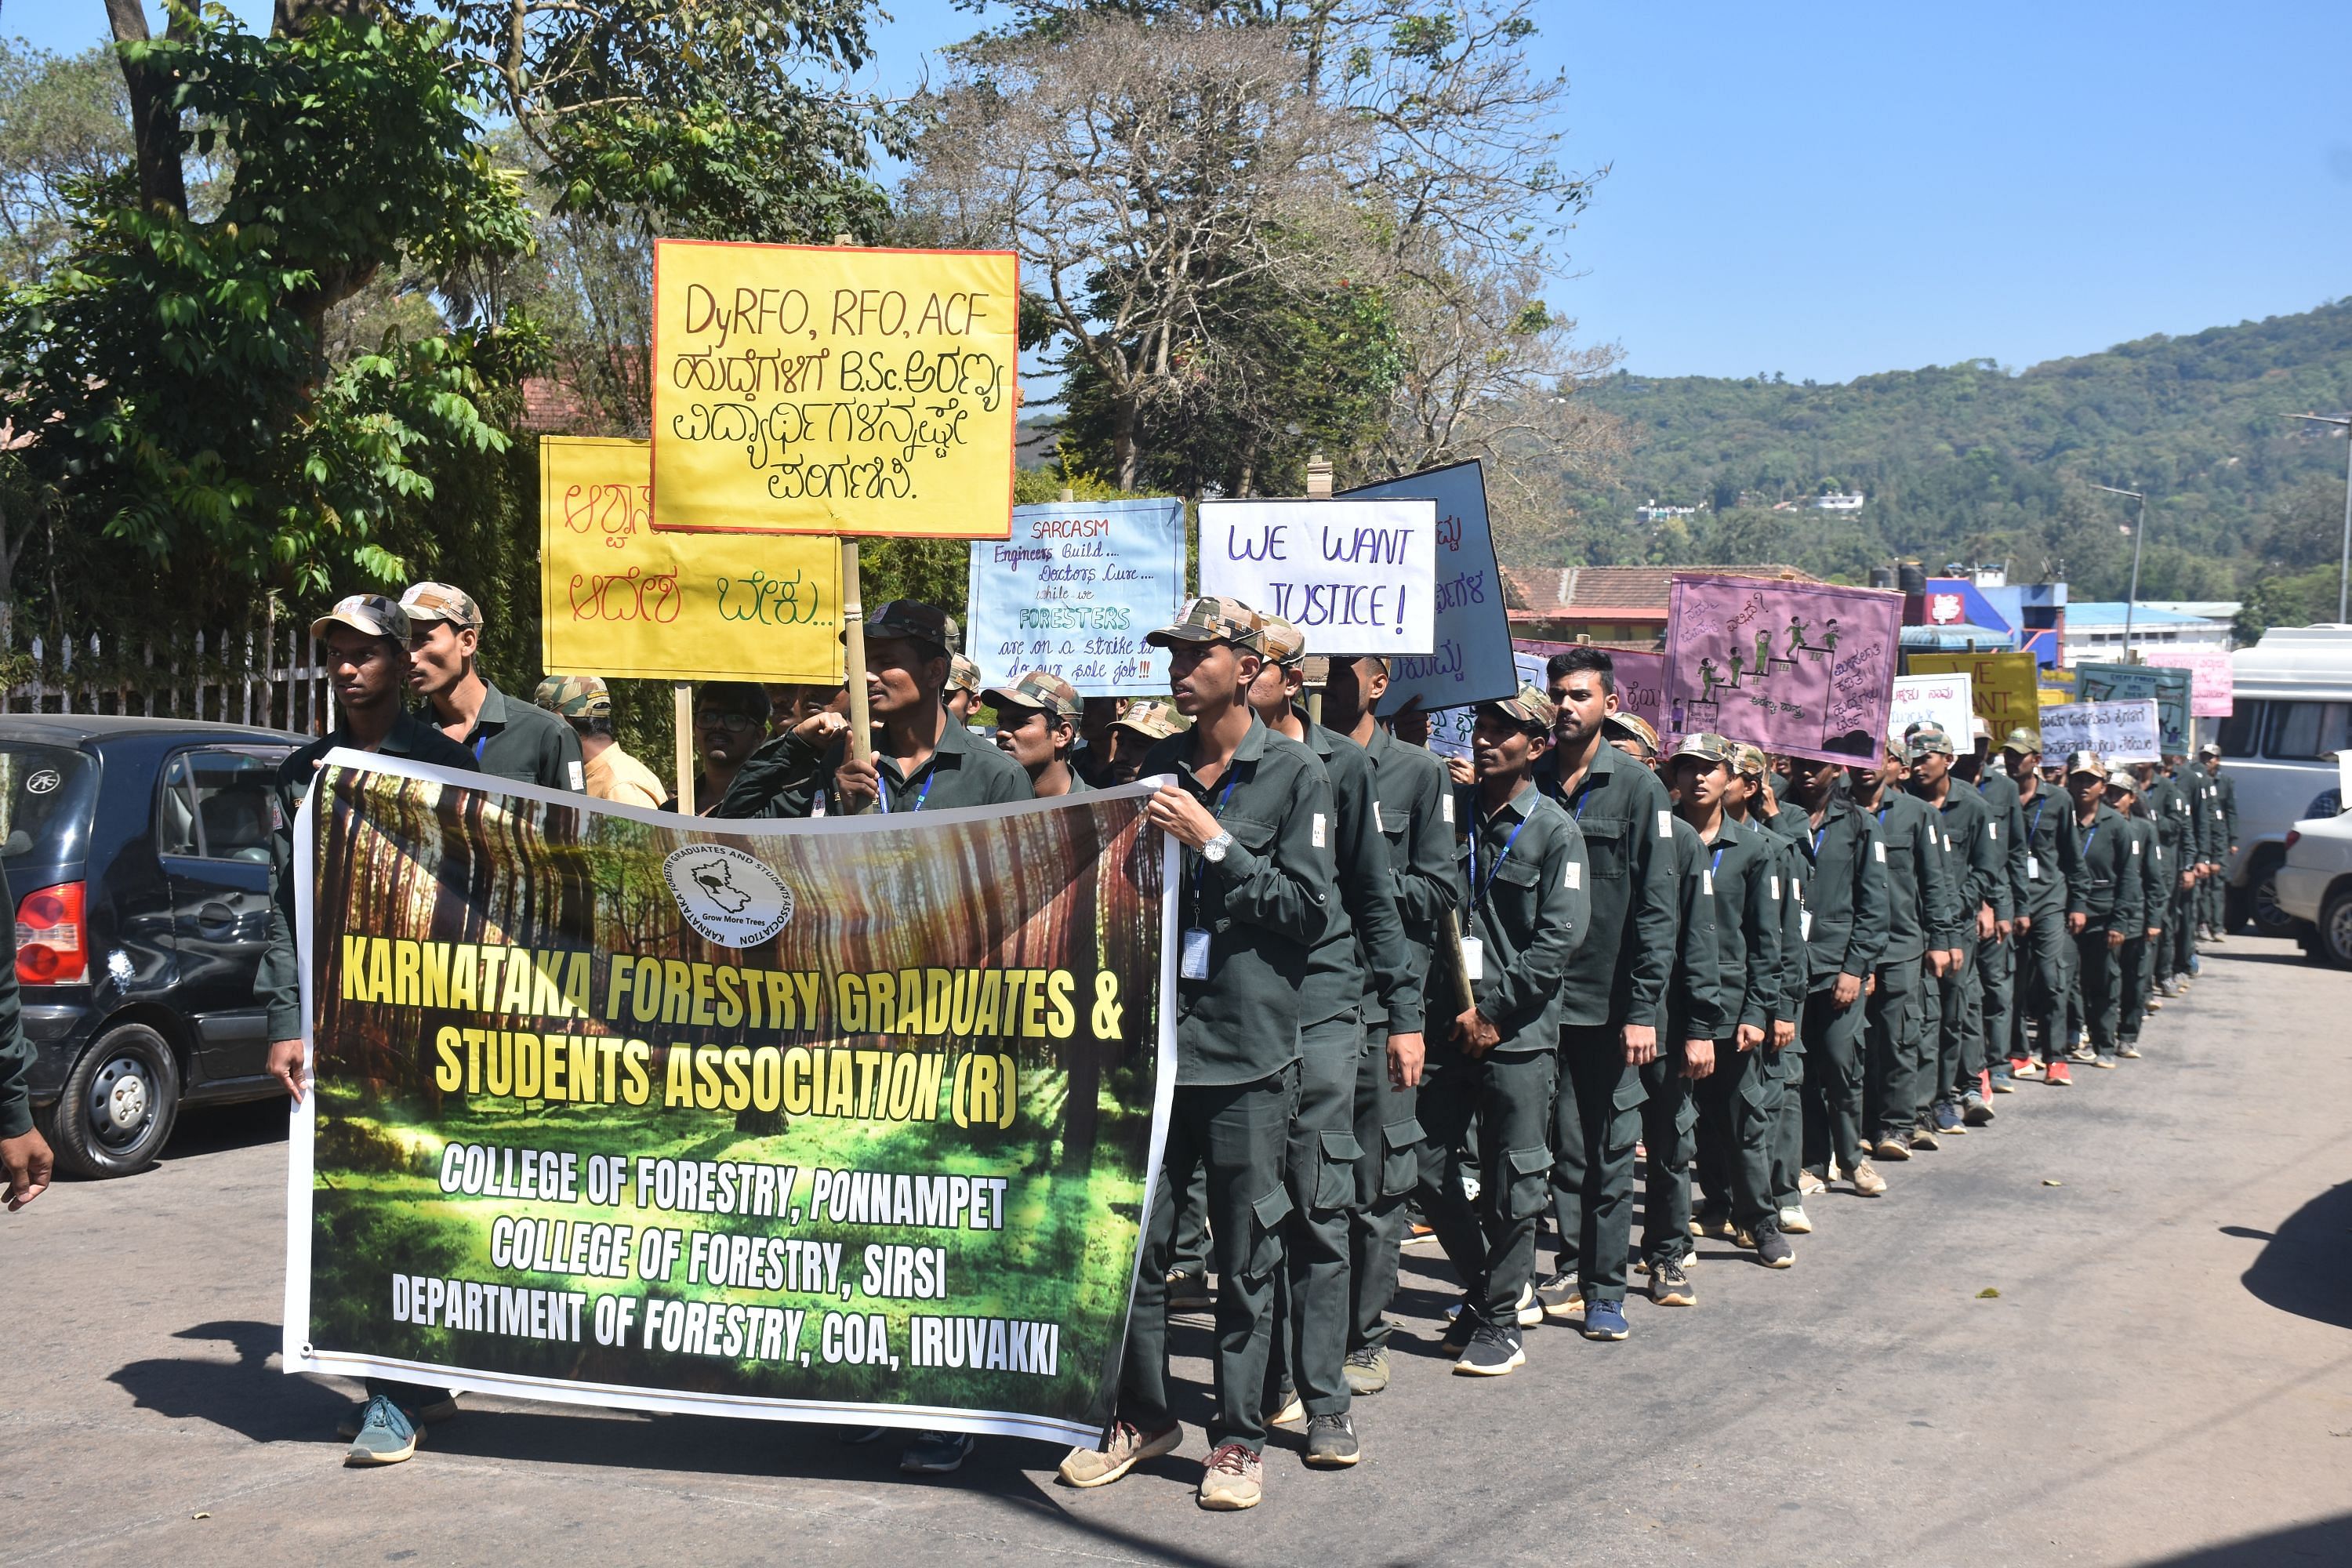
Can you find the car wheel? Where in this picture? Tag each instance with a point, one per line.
(118, 1105)
(2334, 938)
(2262, 910)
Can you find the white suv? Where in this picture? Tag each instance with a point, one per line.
(2315, 883)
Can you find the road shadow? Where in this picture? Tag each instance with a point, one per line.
(248, 1397)
(216, 1129)
(2328, 1541)
(2304, 1268)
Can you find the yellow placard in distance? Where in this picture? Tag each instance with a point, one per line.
(2001, 684)
(826, 389)
(621, 601)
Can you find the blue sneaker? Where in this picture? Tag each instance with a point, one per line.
(1948, 1120)
(1606, 1320)
(386, 1436)
(936, 1453)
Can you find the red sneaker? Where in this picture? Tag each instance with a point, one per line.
(2058, 1073)
(2024, 1067)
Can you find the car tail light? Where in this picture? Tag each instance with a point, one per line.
(52, 945)
(2292, 835)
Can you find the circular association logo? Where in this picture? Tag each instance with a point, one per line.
(730, 898)
(44, 781)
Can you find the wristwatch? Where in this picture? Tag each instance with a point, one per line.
(1214, 851)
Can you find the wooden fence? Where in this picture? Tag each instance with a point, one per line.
(269, 676)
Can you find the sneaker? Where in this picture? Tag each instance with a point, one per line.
(1289, 1409)
(1606, 1320)
(936, 1453)
(2128, 1050)
(2060, 1076)
(2000, 1083)
(1984, 1083)
(1670, 1284)
(2083, 1053)
(1948, 1120)
(2107, 1062)
(2023, 1067)
(1924, 1137)
(1532, 1310)
(1234, 1479)
(1492, 1352)
(1772, 1250)
(1708, 1221)
(1890, 1148)
(1331, 1442)
(1367, 1370)
(386, 1436)
(1808, 1184)
(1123, 1449)
(1868, 1182)
(1793, 1220)
(429, 1414)
(1463, 1323)
(1188, 1291)
(1976, 1112)
(2155, 1004)
(1561, 1298)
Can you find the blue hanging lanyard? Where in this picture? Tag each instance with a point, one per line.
(479, 741)
(2039, 807)
(2088, 838)
(883, 794)
(1201, 861)
(1477, 888)
(1818, 833)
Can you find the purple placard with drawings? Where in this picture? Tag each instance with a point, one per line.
(1803, 669)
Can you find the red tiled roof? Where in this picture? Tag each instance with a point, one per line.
(1618, 592)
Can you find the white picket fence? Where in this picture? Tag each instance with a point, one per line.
(269, 677)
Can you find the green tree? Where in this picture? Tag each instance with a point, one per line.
(64, 120)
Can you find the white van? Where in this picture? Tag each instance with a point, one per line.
(2293, 714)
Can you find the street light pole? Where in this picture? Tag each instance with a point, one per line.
(2343, 572)
(2140, 533)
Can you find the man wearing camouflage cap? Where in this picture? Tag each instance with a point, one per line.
(2043, 953)
(1698, 1015)
(1253, 812)
(1037, 726)
(1997, 959)
(2168, 805)
(1959, 1089)
(923, 757)
(1141, 723)
(963, 688)
(508, 740)
(366, 637)
(2221, 820)
(2135, 965)
(2107, 906)
(583, 703)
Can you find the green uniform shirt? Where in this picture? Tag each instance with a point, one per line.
(1412, 808)
(1745, 874)
(1978, 856)
(1694, 1008)
(2175, 817)
(1923, 901)
(1362, 946)
(1526, 868)
(1263, 905)
(2111, 874)
(2051, 842)
(1619, 974)
(2000, 798)
(1796, 961)
(787, 777)
(2225, 812)
(520, 741)
(2155, 873)
(1844, 887)
(2197, 785)
(277, 983)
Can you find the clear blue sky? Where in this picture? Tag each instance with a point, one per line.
(1829, 190)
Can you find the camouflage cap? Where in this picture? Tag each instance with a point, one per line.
(2084, 762)
(1632, 727)
(2121, 779)
(913, 621)
(962, 674)
(1151, 717)
(1748, 762)
(2024, 740)
(2209, 749)
(370, 613)
(1977, 729)
(580, 697)
(543, 694)
(1927, 740)
(1281, 642)
(1212, 619)
(1039, 688)
(1531, 705)
(1710, 748)
(440, 602)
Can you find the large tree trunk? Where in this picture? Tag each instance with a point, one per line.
(1124, 449)
(155, 134)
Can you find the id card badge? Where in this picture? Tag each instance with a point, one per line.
(2033, 870)
(1194, 964)
(1474, 958)
(1805, 925)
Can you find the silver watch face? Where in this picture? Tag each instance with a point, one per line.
(1214, 849)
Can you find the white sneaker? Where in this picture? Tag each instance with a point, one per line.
(1793, 1220)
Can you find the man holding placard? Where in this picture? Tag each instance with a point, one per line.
(1254, 813)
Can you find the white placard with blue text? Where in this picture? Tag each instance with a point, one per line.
(1472, 661)
(1075, 591)
(1357, 577)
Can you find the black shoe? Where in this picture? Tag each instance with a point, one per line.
(1772, 1250)
(1462, 1329)
(1670, 1285)
(1188, 1291)
(1331, 1442)
(1492, 1352)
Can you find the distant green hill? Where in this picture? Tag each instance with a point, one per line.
(1970, 461)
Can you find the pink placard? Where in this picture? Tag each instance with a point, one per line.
(1803, 669)
(2211, 678)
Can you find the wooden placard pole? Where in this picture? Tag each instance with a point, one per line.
(681, 698)
(1319, 488)
(853, 639)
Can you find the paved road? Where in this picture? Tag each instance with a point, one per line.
(2165, 1375)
